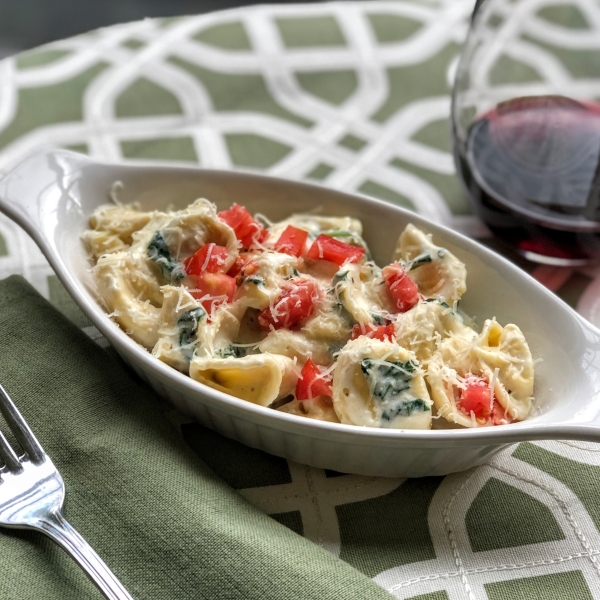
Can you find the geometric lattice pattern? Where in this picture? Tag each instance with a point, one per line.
(355, 96)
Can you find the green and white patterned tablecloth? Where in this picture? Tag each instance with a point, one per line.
(355, 96)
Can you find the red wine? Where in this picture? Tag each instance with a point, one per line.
(531, 166)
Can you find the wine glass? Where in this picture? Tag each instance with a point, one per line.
(526, 126)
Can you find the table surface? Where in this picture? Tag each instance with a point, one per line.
(354, 96)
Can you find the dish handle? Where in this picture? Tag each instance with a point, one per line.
(584, 421)
(32, 189)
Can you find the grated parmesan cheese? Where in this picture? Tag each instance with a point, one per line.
(434, 337)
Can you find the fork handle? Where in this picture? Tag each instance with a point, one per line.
(65, 535)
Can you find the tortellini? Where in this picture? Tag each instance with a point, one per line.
(132, 294)
(360, 291)
(259, 378)
(270, 270)
(422, 328)
(296, 345)
(499, 358)
(295, 316)
(436, 271)
(113, 228)
(184, 232)
(183, 320)
(380, 384)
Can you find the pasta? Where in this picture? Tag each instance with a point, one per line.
(296, 316)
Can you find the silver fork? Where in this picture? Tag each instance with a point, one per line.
(32, 493)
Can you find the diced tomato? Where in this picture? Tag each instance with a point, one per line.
(210, 258)
(243, 267)
(376, 332)
(499, 416)
(311, 383)
(213, 289)
(291, 241)
(328, 248)
(476, 397)
(404, 290)
(240, 260)
(247, 229)
(295, 303)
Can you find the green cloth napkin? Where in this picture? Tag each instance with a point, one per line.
(161, 520)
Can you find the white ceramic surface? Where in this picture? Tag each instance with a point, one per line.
(52, 195)
(589, 303)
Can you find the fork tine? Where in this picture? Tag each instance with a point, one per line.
(11, 460)
(21, 430)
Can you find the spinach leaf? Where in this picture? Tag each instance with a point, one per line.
(420, 260)
(437, 300)
(387, 380)
(255, 279)
(339, 276)
(231, 351)
(159, 252)
(405, 409)
(188, 328)
(377, 319)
